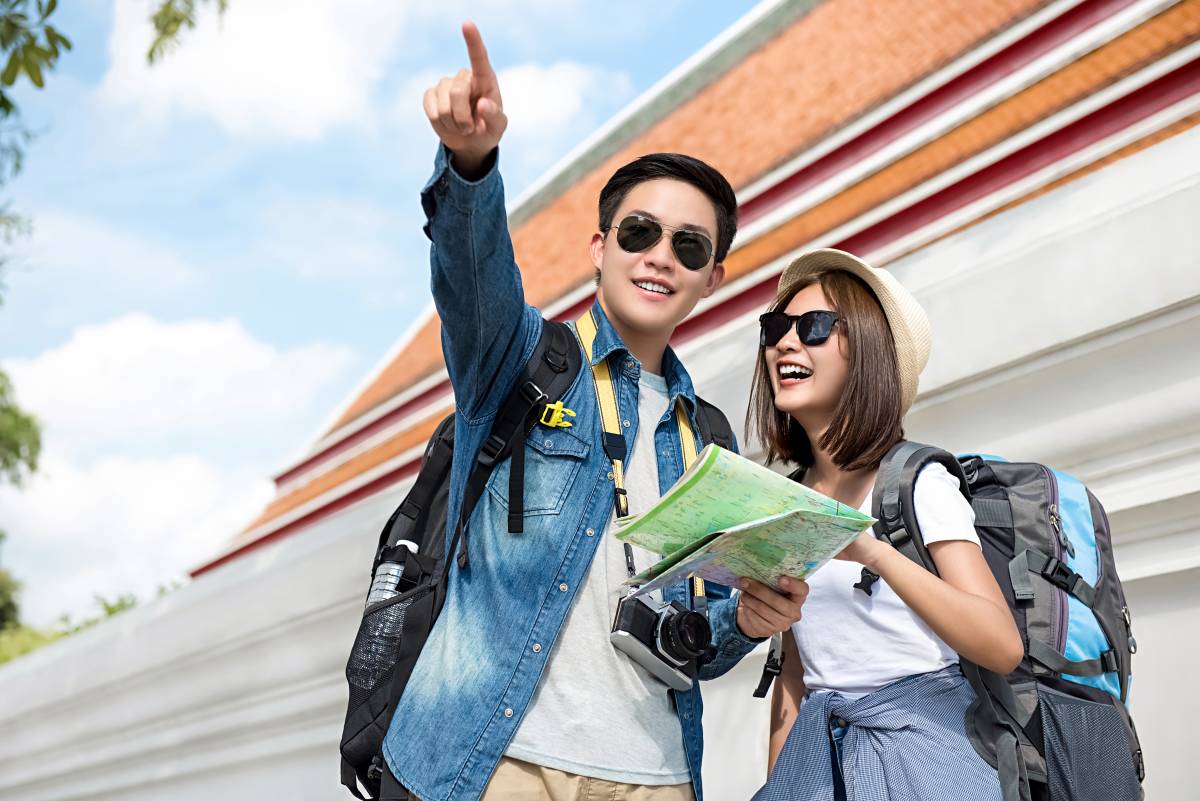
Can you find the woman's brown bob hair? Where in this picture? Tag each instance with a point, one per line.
(867, 420)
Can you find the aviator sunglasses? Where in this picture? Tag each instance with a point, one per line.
(813, 327)
(636, 234)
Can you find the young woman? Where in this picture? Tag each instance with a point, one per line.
(871, 702)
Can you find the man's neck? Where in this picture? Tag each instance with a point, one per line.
(648, 349)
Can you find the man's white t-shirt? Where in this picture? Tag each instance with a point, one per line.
(856, 643)
(595, 712)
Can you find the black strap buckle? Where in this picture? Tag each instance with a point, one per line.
(1060, 575)
(898, 537)
(533, 394)
(491, 450)
(1109, 661)
(772, 668)
(557, 361)
(866, 581)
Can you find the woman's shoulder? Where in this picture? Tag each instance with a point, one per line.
(942, 510)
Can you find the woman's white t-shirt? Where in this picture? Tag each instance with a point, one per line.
(856, 643)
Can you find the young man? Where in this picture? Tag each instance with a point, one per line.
(518, 693)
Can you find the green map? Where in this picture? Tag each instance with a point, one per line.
(728, 517)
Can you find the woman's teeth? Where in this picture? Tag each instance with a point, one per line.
(793, 371)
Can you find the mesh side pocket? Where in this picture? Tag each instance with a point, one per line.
(377, 646)
(1087, 750)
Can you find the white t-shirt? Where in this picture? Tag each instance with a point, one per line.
(595, 712)
(856, 643)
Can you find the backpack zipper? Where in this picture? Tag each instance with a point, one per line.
(1061, 544)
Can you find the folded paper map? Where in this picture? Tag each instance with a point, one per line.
(728, 517)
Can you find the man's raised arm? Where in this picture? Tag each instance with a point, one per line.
(486, 325)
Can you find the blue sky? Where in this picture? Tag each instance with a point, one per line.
(225, 244)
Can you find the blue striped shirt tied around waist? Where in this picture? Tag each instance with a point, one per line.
(906, 741)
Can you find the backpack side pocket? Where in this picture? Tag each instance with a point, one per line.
(1088, 753)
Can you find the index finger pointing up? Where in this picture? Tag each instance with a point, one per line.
(480, 66)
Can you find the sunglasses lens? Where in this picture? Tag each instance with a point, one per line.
(815, 327)
(692, 249)
(773, 327)
(636, 234)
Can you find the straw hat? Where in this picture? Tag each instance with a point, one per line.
(906, 318)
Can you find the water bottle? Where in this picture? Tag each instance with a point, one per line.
(386, 581)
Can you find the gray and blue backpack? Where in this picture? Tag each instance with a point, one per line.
(1058, 726)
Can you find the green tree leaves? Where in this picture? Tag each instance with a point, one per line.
(20, 438)
(169, 20)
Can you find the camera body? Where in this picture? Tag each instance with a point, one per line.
(665, 639)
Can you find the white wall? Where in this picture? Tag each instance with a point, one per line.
(1067, 331)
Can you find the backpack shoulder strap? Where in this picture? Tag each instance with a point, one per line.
(714, 425)
(548, 374)
(892, 501)
(406, 520)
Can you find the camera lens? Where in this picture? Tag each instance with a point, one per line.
(685, 635)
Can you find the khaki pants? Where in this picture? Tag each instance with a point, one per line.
(522, 781)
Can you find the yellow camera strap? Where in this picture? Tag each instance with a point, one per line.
(614, 439)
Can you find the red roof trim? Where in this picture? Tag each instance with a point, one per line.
(987, 72)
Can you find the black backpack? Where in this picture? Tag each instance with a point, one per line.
(394, 629)
(1058, 725)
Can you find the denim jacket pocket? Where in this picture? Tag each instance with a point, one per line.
(553, 457)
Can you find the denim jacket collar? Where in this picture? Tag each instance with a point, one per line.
(608, 342)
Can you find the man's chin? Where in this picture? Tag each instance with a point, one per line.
(653, 318)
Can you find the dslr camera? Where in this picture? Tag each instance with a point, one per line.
(665, 639)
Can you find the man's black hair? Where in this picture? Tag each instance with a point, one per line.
(680, 168)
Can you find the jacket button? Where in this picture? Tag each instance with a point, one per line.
(625, 423)
(591, 532)
(610, 476)
(537, 647)
(562, 587)
(508, 713)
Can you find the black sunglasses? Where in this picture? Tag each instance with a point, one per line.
(636, 234)
(813, 327)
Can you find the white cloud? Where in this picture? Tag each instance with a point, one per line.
(87, 246)
(328, 237)
(154, 455)
(298, 69)
(118, 525)
(269, 67)
(138, 380)
(549, 108)
(546, 104)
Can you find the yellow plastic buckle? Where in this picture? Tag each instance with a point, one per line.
(553, 414)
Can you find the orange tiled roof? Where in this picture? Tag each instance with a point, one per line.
(550, 245)
(757, 115)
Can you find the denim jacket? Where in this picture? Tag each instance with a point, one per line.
(485, 655)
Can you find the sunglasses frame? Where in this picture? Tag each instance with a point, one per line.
(794, 322)
(676, 233)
